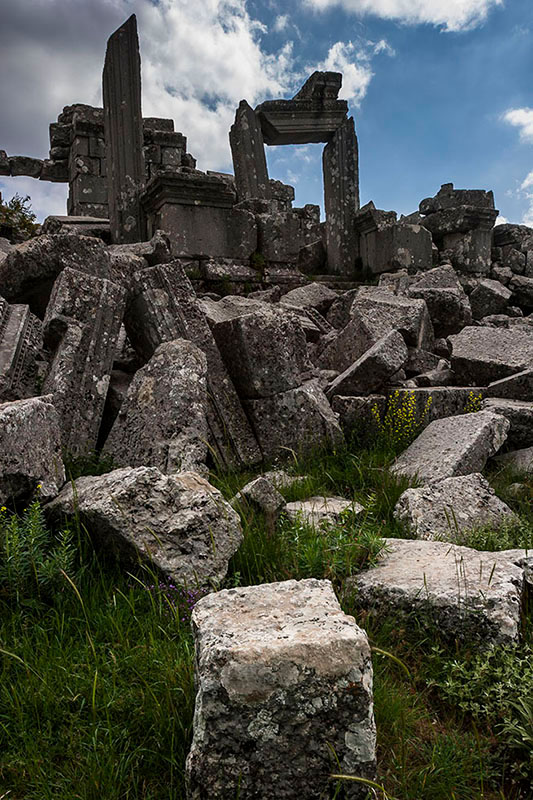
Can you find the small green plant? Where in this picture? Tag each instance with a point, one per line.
(17, 220)
(402, 422)
(474, 402)
(91, 462)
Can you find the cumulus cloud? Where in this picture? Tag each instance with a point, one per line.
(354, 63)
(281, 23)
(521, 118)
(450, 15)
(527, 183)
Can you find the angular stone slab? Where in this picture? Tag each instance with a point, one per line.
(178, 525)
(516, 387)
(81, 329)
(162, 422)
(317, 510)
(262, 493)
(385, 311)
(519, 460)
(248, 153)
(340, 163)
(472, 596)
(438, 402)
(453, 446)
(489, 297)
(21, 341)
(311, 295)
(447, 302)
(283, 668)
(483, 355)
(373, 369)
(520, 415)
(30, 450)
(445, 509)
(163, 307)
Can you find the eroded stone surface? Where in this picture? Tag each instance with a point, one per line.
(374, 367)
(483, 355)
(317, 510)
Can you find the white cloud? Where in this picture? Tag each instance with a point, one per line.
(46, 198)
(451, 15)
(281, 23)
(383, 47)
(501, 220)
(527, 183)
(354, 63)
(521, 118)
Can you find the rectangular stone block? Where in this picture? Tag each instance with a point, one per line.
(248, 153)
(20, 348)
(341, 197)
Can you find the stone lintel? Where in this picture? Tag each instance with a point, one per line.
(300, 121)
(187, 188)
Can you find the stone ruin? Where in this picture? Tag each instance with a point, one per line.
(177, 319)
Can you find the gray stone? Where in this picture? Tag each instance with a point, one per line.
(162, 422)
(420, 361)
(520, 415)
(448, 305)
(471, 596)
(282, 480)
(178, 525)
(24, 165)
(357, 415)
(340, 163)
(248, 153)
(21, 342)
(261, 493)
(489, 297)
(449, 197)
(522, 287)
(518, 460)
(374, 367)
(438, 402)
(453, 446)
(338, 350)
(297, 421)
(483, 355)
(448, 508)
(387, 312)
(442, 375)
(30, 450)
(517, 387)
(124, 132)
(311, 295)
(316, 511)
(283, 668)
(339, 313)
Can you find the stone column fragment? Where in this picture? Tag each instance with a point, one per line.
(248, 152)
(163, 307)
(340, 163)
(20, 348)
(81, 328)
(124, 132)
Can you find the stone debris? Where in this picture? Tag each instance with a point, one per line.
(517, 387)
(489, 297)
(30, 450)
(263, 494)
(483, 355)
(519, 460)
(21, 352)
(358, 415)
(316, 511)
(446, 509)
(386, 312)
(453, 446)
(290, 675)
(179, 525)
(520, 416)
(373, 369)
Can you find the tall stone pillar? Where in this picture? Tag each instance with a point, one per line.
(340, 163)
(248, 152)
(124, 132)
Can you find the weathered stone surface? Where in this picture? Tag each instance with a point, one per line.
(340, 162)
(357, 415)
(453, 446)
(517, 387)
(471, 596)
(248, 153)
(179, 525)
(449, 197)
(522, 288)
(311, 295)
(290, 674)
(30, 269)
(21, 341)
(442, 375)
(264, 351)
(420, 361)
(163, 307)
(81, 329)
(300, 420)
(81, 226)
(373, 369)
(340, 311)
(338, 350)
(281, 479)
(386, 312)
(24, 165)
(124, 132)
(438, 402)
(519, 460)
(30, 450)
(448, 306)
(520, 415)
(315, 511)
(483, 355)
(162, 422)
(446, 509)
(489, 297)
(263, 494)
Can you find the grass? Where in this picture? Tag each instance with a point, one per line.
(96, 666)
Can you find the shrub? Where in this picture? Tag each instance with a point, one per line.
(17, 220)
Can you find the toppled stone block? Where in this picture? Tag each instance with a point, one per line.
(517, 387)
(520, 415)
(291, 674)
(311, 295)
(518, 460)
(162, 422)
(442, 375)
(522, 288)
(21, 342)
(316, 511)
(420, 361)
(437, 402)
(299, 420)
(340, 310)
(453, 446)
(387, 312)
(30, 450)
(178, 525)
(471, 596)
(373, 369)
(489, 297)
(446, 509)
(261, 493)
(447, 303)
(338, 350)
(357, 415)
(483, 355)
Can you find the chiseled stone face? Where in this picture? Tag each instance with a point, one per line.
(483, 355)
(283, 676)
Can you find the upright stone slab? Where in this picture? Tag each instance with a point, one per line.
(341, 197)
(81, 329)
(20, 345)
(284, 695)
(163, 307)
(248, 153)
(124, 132)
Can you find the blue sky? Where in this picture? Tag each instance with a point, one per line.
(441, 90)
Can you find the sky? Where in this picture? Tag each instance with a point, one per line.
(441, 90)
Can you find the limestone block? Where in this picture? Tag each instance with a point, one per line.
(519, 460)
(517, 387)
(374, 367)
(340, 164)
(483, 355)
(387, 312)
(522, 287)
(248, 153)
(356, 414)
(311, 295)
(520, 415)
(21, 342)
(315, 511)
(283, 668)
(262, 494)
(489, 297)
(178, 524)
(437, 402)
(447, 302)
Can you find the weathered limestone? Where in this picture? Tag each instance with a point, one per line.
(447, 508)
(163, 307)
(519, 460)
(386, 244)
(21, 341)
(385, 312)
(315, 511)
(289, 675)
(517, 387)
(340, 163)
(520, 415)
(374, 367)
(262, 494)
(178, 525)
(522, 288)
(438, 402)
(248, 153)
(162, 422)
(483, 355)
(124, 132)
(30, 450)
(453, 446)
(311, 295)
(489, 297)
(81, 329)
(448, 305)
(471, 596)
(357, 415)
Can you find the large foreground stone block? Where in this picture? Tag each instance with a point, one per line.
(178, 525)
(453, 446)
(483, 355)
(30, 449)
(283, 678)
